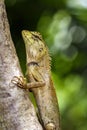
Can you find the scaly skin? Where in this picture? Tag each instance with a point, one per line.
(39, 75)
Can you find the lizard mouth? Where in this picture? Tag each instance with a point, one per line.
(32, 63)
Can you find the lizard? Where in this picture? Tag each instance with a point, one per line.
(39, 79)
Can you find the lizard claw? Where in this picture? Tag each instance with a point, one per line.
(19, 81)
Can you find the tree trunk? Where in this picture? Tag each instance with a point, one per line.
(16, 110)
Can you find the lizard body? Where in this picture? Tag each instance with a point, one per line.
(39, 72)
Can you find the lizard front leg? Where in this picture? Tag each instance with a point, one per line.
(22, 83)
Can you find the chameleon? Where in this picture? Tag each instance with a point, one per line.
(38, 63)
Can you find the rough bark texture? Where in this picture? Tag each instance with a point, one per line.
(16, 110)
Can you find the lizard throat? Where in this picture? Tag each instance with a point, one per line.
(32, 63)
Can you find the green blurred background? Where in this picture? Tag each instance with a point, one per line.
(63, 24)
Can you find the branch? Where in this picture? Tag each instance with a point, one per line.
(16, 110)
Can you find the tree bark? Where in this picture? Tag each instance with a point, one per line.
(16, 110)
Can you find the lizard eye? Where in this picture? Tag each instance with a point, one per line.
(41, 49)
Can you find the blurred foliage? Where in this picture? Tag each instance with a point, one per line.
(63, 25)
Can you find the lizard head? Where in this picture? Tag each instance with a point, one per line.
(34, 44)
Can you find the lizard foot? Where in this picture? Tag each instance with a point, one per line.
(19, 81)
(50, 126)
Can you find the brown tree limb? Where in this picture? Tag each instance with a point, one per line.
(16, 110)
